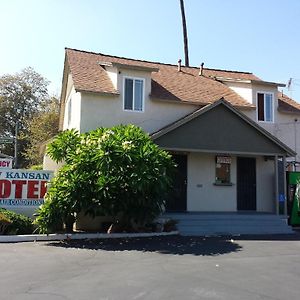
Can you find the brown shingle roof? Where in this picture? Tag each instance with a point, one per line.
(167, 83)
(286, 104)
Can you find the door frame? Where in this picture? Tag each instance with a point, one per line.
(183, 185)
(253, 205)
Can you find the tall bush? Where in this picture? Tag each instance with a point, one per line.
(115, 171)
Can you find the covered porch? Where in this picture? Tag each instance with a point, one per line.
(226, 164)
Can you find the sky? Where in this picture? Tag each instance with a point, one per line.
(258, 36)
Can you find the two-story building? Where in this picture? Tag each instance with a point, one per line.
(229, 131)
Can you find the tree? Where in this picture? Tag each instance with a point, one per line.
(22, 96)
(117, 171)
(42, 127)
(185, 38)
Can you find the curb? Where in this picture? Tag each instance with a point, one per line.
(78, 236)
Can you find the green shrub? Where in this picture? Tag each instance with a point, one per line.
(20, 224)
(118, 172)
(4, 222)
(36, 167)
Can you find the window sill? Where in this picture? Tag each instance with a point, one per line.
(266, 122)
(223, 184)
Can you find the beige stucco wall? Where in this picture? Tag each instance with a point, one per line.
(75, 113)
(285, 129)
(284, 126)
(49, 164)
(265, 185)
(203, 195)
(112, 72)
(243, 89)
(104, 110)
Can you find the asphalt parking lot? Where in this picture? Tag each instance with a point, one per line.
(153, 268)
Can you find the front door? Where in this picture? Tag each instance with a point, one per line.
(246, 183)
(176, 201)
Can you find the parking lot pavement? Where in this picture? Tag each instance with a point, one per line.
(153, 268)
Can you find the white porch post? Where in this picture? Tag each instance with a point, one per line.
(284, 184)
(276, 184)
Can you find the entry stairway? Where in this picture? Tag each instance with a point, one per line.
(202, 224)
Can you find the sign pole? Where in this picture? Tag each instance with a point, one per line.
(16, 145)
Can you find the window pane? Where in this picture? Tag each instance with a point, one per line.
(269, 107)
(128, 99)
(222, 173)
(69, 111)
(138, 95)
(260, 107)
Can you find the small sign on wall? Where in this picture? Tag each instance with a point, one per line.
(223, 160)
(5, 163)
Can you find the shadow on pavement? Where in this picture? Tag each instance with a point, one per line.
(272, 237)
(177, 245)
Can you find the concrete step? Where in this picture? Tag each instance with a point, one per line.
(230, 223)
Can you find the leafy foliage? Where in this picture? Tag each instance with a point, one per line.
(4, 222)
(19, 224)
(42, 127)
(22, 96)
(36, 167)
(118, 172)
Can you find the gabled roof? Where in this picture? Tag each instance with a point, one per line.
(156, 136)
(287, 105)
(167, 83)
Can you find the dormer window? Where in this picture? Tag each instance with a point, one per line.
(265, 107)
(133, 99)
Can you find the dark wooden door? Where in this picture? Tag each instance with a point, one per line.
(246, 183)
(176, 201)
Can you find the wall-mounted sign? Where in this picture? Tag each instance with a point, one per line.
(23, 190)
(224, 160)
(5, 163)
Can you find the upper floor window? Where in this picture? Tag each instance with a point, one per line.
(265, 107)
(133, 94)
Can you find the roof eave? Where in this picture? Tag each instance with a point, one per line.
(261, 82)
(104, 93)
(253, 81)
(128, 66)
(179, 101)
(289, 112)
(63, 93)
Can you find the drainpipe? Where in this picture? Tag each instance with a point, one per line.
(284, 185)
(276, 184)
(295, 138)
(16, 145)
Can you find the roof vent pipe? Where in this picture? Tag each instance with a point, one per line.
(179, 65)
(201, 69)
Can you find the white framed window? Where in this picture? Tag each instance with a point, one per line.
(265, 107)
(69, 110)
(133, 99)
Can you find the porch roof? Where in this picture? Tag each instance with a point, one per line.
(220, 128)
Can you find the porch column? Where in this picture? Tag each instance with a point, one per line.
(276, 184)
(284, 184)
